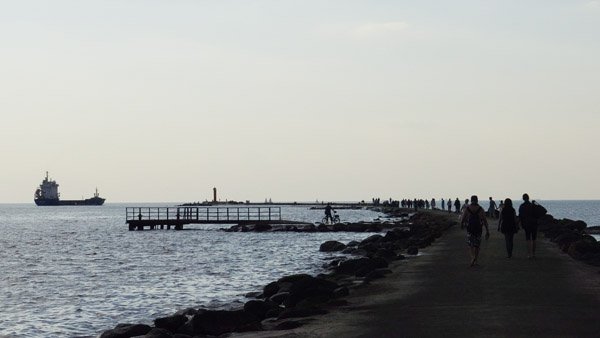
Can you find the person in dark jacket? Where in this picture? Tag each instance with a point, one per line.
(529, 224)
(507, 224)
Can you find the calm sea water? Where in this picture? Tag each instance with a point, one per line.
(75, 271)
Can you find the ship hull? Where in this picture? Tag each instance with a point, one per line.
(57, 202)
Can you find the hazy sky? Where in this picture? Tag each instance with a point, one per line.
(160, 100)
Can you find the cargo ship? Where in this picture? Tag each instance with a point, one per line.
(47, 194)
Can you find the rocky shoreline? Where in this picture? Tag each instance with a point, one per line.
(284, 304)
(572, 237)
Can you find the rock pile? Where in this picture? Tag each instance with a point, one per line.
(572, 238)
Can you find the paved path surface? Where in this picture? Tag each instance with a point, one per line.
(437, 295)
(549, 296)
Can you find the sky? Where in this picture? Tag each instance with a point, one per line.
(162, 100)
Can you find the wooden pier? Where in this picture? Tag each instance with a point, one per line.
(138, 218)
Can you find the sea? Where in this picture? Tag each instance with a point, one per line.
(75, 271)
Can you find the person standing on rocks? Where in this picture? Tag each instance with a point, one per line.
(507, 224)
(443, 204)
(449, 205)
(474, 217)
(328, 210)
(529, 224)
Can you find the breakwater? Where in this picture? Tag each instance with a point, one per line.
(280, 303)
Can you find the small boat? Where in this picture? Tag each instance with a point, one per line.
(47, 194)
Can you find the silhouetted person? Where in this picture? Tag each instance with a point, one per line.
(492, 209)
(507, 224)
(474, 217)
(433, 203)
(457, 205)
(443, 204)
(328, 210)
(529, 224)
(449, 205)
(463, 222)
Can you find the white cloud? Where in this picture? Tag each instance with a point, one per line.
(379, 29)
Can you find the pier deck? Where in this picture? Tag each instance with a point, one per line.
(138, 218)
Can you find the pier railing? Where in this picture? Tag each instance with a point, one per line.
(204, 214)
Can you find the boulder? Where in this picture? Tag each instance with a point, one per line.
(331, 246)
(126, 331)
(372, 239)
(356, 227)
(310, 287)
(413, 250)
(274, 312)
(259, 308)
(187, 312)
(386, 254)
(340, 227)
(261, 227)
(361, 266)
(565, 239)
(217, 322)
(171, 323)
(293, 278)
(279, 297)
(352, 244)
(583, 249)
(270, 289)
(158, 333)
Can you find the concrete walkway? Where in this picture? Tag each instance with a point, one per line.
(549, 296)
(437, 295)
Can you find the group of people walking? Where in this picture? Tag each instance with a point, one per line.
(473, 218)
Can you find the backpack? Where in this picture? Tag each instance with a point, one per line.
(538, 210)
(474, 223)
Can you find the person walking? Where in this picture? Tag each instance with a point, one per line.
(449, 205)
(492, 209)
(433, 204)
(457, 205)
(463, 222)
(508, 225)
(529, 224)
(443, 204)
(474, 216)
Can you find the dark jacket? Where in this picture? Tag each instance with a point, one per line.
(508, 220)
(526, 215)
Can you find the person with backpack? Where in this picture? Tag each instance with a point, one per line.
(508, 225)
(474, 217)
